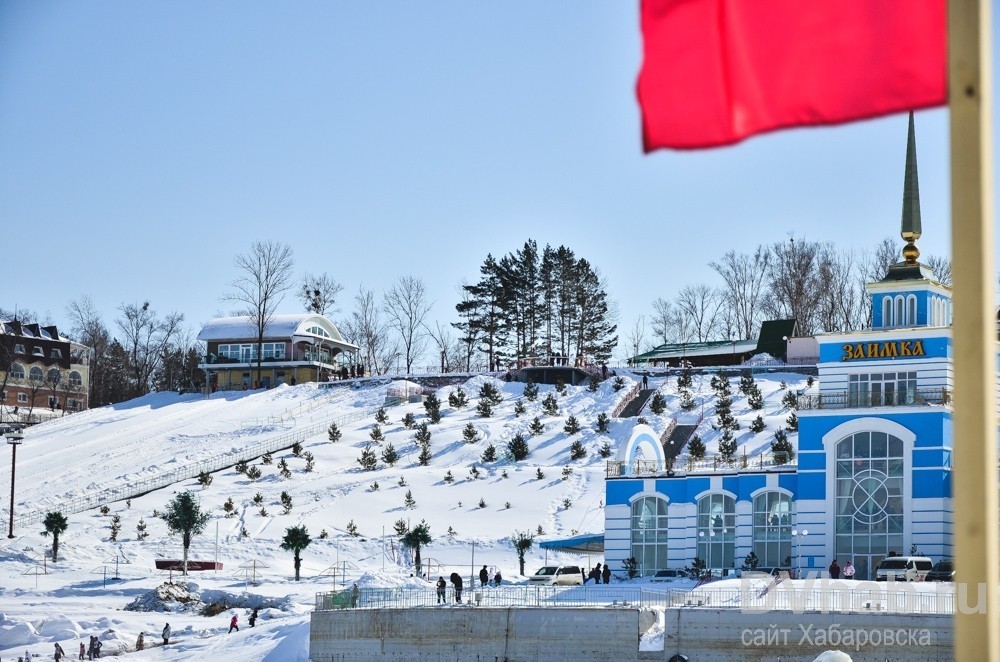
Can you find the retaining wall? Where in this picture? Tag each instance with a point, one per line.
(484, 634)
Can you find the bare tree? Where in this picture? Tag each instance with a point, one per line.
(88, 329)
(664, 321)
(405, 304)
(941, 266)
(266, 274)
(841, 305)
(319, 293)
(451, 350)
(744, 277)
(145, 337)
(795, 283)
(698, 306)
(636, 337)
(369, 331)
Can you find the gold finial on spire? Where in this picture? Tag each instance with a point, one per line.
(910, 230)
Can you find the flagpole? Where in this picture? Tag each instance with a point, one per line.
(975, 534)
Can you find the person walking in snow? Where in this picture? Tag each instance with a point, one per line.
(97, 647)
(606, 573)
(83, 650)
(484, 577)
(60, 653)
(253, 617)
(166, 634)
(456, 580)
(233, 625)
(140, 643)
(27, 656)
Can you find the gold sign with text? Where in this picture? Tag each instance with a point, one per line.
(883, 350)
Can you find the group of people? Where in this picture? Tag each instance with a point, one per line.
(484, 577)
(836, 571)
(597, 574)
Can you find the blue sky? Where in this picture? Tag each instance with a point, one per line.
(143, 145)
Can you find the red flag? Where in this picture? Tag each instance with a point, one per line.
(717, 71)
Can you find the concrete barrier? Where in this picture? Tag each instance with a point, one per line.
(496, 634)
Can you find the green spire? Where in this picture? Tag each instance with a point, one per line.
(910, 229)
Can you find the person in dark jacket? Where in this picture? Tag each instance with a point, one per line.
(441, 586)
(497, 578)
(606, 573)
(166, 634)
(484, 576)
(597, 574)
(835, 570)
(456, 581)
(253, 617)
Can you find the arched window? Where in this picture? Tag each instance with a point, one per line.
(869, 508)
(717, 531)
(772, 529)
(75, 379)
(911, 310)
(35, 374)
(899, 317)
(887, 311)
(649, 534)
(16, 371)
(53, 376)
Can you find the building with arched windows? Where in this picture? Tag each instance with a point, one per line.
(872, 474)
(42, 373)
(296, 348)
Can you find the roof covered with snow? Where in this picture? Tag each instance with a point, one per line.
(295, 327)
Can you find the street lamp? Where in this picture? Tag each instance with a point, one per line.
(14, 439)
(798, 536)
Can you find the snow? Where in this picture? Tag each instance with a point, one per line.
(67, 463)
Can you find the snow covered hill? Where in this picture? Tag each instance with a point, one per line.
(78, 463)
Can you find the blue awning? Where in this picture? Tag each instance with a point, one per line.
(587, 543)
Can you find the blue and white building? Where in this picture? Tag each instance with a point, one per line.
(873, 468)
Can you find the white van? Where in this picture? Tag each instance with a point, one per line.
(563, 575)
(903, 568)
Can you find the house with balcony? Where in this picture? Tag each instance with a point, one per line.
(297, 348)
(872, 471)
(42, 373)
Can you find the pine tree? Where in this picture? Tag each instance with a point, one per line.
(423, 434)
(432, 407)
(658, 404)
(793, 422)
(490, 454)
(696, 448)
(755, 399)
(790, 400)
(577, 450)
(310, 461)
(518, 447)
(549, 405)
(457, 398)
(536, 427)
(352, 529)
(229, 507)
(618, 384)
(602, 422)
(389, 454)
(448, 478)
(183, 515)
(605, 450)
(116, 527)
(593, 383)
(409, 421)
(531, 391)
(519, 407)
(368, 461)
(727, 446)
(140, 530)
(400, 527)
(266, 458)
(757, 424)
(204, 479)
(296, 449)
(687, 400)
(746, 382)
(283, 469)
(572, 426)
(424, 458)
(381, 417)
(286, 502)
(781, 448)
(484, 408)
(539, 474)
(376, 434)
(723, 409)
(560, 386)
(491, 393)
(408, 501)
(685, 379)
(254, 472)
(241, 467)
(334, 433)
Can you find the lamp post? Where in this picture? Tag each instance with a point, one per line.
(798, 536)
(14, 439)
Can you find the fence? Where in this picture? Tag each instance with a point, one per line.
(865, 399)
(766, 461)
(249, 452)
(626, 399)
(893, 597)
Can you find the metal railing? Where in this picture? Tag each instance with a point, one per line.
(905, 398)
(626, 399)
(769, 461)
(894, 597)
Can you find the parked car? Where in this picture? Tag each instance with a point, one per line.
(903, 568)
(943, 571)
(562, 575)
(668, 575)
